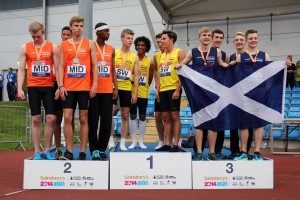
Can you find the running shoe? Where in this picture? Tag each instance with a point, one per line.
(95, 155)
(221, 156)
(48, 156)
(257, 156)
(212, 156)
(233, 155)
(197, 156)
(67, 156)
(82, 156)
(58, 153)
(242, 156)
(102, 155)
(174, 148)
(164, 148)
(37, 156)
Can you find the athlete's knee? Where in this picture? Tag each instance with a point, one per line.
(50, 119)
(124, 115)
(68, 119)
(175, 116)
(83, 118)
(36, 120)
(166, 118)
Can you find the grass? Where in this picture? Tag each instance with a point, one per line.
(13, 124)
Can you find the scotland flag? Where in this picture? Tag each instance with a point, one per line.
(246, 95)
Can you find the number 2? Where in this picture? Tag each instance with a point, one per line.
(68, 166)
(151, 161)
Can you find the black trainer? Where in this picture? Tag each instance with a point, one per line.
(174, 148)
(67, 156)
(103, 155)
(82, 156)
(164, 148)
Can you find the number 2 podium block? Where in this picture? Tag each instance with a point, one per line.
(150, 170)
(233, 174)
(58, 174)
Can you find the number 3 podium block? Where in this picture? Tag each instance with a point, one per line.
(58, 174)
(150, 171)
(233, 174)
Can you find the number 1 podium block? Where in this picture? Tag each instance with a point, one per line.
(150, 170)
(58, 174)
(233, 174)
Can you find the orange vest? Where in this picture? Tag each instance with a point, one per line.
(105, 80)
(55, 70)
(40, 73)
(77, 76)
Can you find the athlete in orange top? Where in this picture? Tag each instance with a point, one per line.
(77, 62)
(39, 55)
(101, 104)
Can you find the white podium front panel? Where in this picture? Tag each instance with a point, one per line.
(58, 174)
(233, 174)
(150, 171)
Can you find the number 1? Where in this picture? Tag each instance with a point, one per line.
(151, 161)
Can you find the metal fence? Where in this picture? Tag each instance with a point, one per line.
(14, 125)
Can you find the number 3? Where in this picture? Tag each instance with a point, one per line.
(229, 169)
(68, 166)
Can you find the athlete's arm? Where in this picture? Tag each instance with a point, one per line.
(186, 60)
(227, 58)
(94, 69)
(151, 72)
(114, 76)
(268, 57)
(56, 63)
(62, 90)
(156, 77)
(136, 80)
(21, 71)
(181, 58)
(220, 62)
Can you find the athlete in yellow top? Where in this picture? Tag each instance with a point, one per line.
(126, 64)
(145, 75)
(169, 91)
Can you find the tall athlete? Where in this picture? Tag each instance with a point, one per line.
(158, 115)
(169, 91)
(239, 43)
(199, 56)
(66, 34)
(126, 64)
(39, 55)
(78, 62)
(253, 55)
(101, 105)
(145, 75)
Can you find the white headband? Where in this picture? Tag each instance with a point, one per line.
(101, 28)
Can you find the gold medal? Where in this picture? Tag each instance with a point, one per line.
(103, 63)
(38, 62)
(122, 67)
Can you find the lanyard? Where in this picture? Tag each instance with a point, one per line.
(250, 55)
(76, 50)
(102, 53)
(142, 62)
(168, 56)
(126, 58)
(38, 53)
(202, 54)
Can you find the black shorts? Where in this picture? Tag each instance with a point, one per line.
(57, 102)
(167, 104)
(125, 98)
(38, 94)
(157, 106)
(142, 104)
(74, 97)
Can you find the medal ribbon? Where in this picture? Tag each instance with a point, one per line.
(76, 50)
(168, 56)
(126, 58)
(142, 62)
(39, 53)
(202, 54)
(250, 55)
(101, 52)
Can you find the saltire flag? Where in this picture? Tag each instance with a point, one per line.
(245, 95)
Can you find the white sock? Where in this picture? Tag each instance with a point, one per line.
(111, 143)
(160, 144)
(122, 145)
(133, 128)
(142, 129)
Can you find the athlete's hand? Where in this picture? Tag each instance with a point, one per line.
(56, 94)
(225, 65)
(21, 94)
(157, 95)
(93, 92)
(63, 93)
(115, 94)
(175, 95)
(133, 98)
(233, 62)
(178, 66)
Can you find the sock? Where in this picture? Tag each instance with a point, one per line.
(133, 128)
(142, 129)
(122, 144)
(160, 144)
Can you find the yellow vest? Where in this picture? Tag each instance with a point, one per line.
(143, 78)
(168, 75)
(157, 58)
(124, 67)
